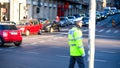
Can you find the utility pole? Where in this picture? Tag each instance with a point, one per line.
(91, 40)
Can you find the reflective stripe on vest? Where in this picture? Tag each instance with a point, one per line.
(75, 45)
(74, 39)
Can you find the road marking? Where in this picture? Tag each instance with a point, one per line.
(55, 47)
(62, 56)
(100, 60)
(33, 52)
(116, 31)
(108, 31)
(101, 30)
(108, 52)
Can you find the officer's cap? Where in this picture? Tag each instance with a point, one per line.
(78, 20)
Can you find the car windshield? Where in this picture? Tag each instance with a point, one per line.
(70, 17)
(77, 16)
(62, 19)
(23, 22)
(8, 27)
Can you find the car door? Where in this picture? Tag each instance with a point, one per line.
(36, 26)
(30, 27)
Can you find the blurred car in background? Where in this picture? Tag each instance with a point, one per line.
(85, 21)
(103, 15)
(98, 16)
(30, 26)
(49, 26)
(9, 34)
(42, 19)
(64, 21)
(71, 19)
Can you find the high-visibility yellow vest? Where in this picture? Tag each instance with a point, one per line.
(75, 42)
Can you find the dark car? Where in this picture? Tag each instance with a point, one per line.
(85, 21)
(103, 15)
(51, 26)
(9, 34)
(64, 21)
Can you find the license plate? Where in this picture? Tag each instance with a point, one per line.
(13, 33)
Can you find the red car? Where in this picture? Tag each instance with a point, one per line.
(31, 26)
(9, 34)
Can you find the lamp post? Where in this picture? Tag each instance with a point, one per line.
(92, 13)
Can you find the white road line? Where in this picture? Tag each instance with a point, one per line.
(116, 31)
(108, 31)
(101, 30)
(108, 52)
(32, 52)
(55, 47)
(100, 60)
(62, 56)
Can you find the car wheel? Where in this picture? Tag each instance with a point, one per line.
(27, 32)
(17, 43)
(1, 42)
(40, 32)
(51, 29)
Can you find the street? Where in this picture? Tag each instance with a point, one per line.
(34, 33)
(51, 50)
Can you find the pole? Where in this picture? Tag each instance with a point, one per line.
(91, 41)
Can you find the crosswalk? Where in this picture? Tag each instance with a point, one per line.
(100, 30)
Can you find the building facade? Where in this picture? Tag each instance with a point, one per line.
(16, 10)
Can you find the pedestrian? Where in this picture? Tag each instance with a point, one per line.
(75, 42)
(57, 18)
(4, 18)
(113, 23)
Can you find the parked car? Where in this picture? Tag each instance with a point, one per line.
(64, 21)
(42, 19)
(49, 26)
(77, 15)
(9, 34)
(71, 19)
(98, 16)
(31, 26)
(85, 21)
(83, 15)
(103, 15)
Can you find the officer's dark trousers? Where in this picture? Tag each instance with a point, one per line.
(78, 59)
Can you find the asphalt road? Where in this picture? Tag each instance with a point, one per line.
(51, 50)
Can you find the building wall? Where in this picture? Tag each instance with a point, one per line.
(48, 8)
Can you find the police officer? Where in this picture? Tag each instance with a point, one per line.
(75, 42)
